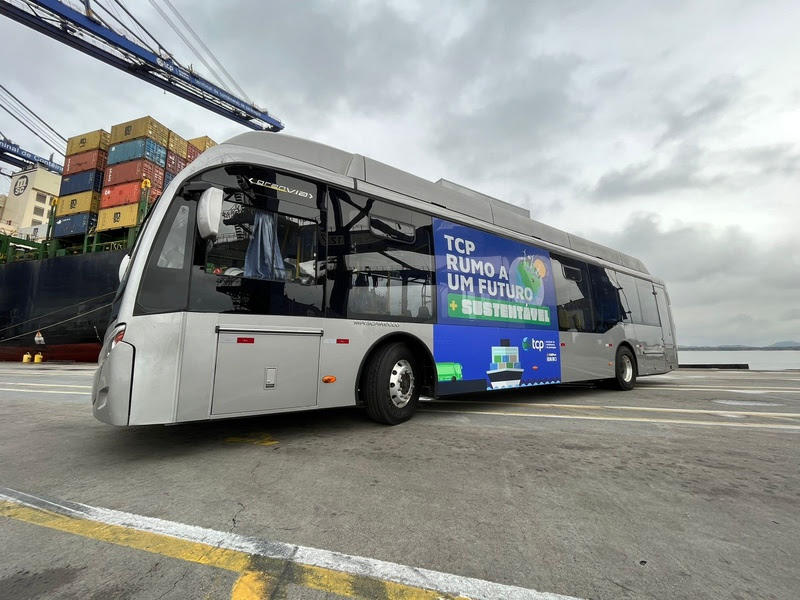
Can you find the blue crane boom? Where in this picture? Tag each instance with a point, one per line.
(14, 155)
(73, 28)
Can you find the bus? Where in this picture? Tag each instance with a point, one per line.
(279, 274)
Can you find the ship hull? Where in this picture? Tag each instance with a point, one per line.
(67, 299)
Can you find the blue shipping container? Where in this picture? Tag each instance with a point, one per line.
(168, 177)
(81, 182)
(135, 149)
(74, 224)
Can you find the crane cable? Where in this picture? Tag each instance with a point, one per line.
(30, 128)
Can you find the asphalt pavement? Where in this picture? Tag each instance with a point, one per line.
(686, 487)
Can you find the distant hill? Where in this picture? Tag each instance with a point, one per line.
(784, 345)
(732, 347)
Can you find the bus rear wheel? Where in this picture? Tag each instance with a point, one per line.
(391, 384)
(624, 370)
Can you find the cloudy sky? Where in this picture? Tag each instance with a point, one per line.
(668, 130)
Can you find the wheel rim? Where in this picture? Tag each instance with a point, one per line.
(401, 383)
(626, 368)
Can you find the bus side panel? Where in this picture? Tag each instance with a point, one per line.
(197, 374)
(589, 356)
(155, 378)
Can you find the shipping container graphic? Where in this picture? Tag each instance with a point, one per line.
(202, 143)
(177, 144)
(175, 164)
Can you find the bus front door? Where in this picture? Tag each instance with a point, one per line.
(265, 369)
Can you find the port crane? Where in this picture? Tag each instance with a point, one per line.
(86, 32)
(12, 154)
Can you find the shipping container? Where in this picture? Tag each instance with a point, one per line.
(78, 203)
(175, 164)
(192, 152)
(177, 144)
(202, 143)
(84, 181)
(93, 140)
(145, 127)
(135, 149)
(118, 217)
(168, 177)
(79, 224)
(135, 170)
(85, 161)
(122, 193)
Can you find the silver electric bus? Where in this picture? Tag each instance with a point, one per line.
(277, 274)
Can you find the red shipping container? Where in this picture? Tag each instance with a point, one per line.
(122, 193)
(175, 163)
(93, 160)
(135, 170)
(192, 152)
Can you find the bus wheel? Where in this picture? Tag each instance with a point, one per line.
(625, 370)
(391, 384)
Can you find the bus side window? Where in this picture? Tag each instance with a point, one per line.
(605, 296)
(629, 296)
(380, 260)
(573, 294)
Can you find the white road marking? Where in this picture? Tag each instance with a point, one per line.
(43, 391)
(639, 408)
(628, 419)
(457, 585)
(60, 385)
(758, 390)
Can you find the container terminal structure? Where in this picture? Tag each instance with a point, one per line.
(57, 279)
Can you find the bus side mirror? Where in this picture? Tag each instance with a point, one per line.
(123, 266)
(209, 208)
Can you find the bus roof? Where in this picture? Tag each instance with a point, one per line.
(475, 205)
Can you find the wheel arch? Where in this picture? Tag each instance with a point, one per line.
(420, 349)
(629, 346)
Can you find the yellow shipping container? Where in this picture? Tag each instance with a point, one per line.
(117, 217)
(177, 144)
(78, 203)
(88, 141)
(138, 128)
(203, 143)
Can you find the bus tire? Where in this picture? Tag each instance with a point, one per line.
(392, 379)
(624, 370)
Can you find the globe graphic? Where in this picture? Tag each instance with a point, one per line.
(528, 273)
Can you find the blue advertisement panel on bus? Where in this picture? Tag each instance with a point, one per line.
(497, 325)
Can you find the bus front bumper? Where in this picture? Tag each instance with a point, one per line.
(111, 389)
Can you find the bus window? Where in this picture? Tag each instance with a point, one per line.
(648, 300)
(573, 295)
(265, 258)
(629, 296)
(605, 298)
(380, 260)
(165, 282)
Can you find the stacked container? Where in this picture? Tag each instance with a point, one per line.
(138, 152)
(79, 197)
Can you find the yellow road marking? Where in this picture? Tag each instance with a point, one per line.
(252, 584)
(629, 419)
(258, 440)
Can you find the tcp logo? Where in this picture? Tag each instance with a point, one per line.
(117, 217)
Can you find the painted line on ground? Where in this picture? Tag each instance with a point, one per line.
(60, 385)
(632, 408)
(264, 565)
(622, 419)
(741, 390)
(43, 391)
